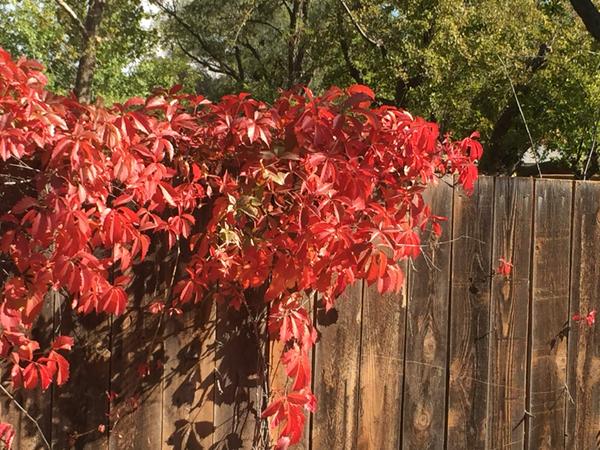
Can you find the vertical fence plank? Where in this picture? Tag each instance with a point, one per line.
(136, 358)
(337, 373)
(550, 303)
(88, 381)
(469, 311)
(426, 333)
(38, 404)
(188, 408)
(238, 395)
(509, 314)
(381, 369)
(583, 415)
(278, 378)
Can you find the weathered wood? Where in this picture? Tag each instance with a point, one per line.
(88, 382)
(278, 380)
(136, 362)
(583, 414)
(469, 311)
(513, 206)
(337, 362)
(381, 369)
(550, 312)
(424, 402)
(188, 380)
(37, 403)
(239, 369)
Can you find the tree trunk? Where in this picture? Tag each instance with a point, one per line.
(87, 61)
(590, 16)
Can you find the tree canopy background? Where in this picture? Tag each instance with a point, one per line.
(462, 63)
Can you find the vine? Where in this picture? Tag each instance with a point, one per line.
(303, 196)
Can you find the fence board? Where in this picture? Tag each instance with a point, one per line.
(583, 414)
(87, 385)
(278, 378)
(238, 395)
(424, 402)
(550, 311)
(38, 404)
(509, 314)
(188, 387)
(136, 412)
(381, 369)
(469, 316)
(337, 363)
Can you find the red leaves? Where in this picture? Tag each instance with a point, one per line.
(7, 434)
(589, 318)
(504, 267)
(306, 195)
(289, 412)
(62, 343)
(297, 366)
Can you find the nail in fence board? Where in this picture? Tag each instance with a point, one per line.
(509, 314)
(550, 312)
(583, 414)
(469, 311)
(424, 402)
(337, 373)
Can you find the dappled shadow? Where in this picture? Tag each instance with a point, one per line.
(188, 381)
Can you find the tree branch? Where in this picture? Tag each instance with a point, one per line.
(202, 62)
(226, 69)
(376, 43)
(73, 15)
(590, 16)
(24, 411)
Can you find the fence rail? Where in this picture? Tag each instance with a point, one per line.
(462, 359)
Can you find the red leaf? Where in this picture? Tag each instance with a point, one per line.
(7, 434)
(62, 343)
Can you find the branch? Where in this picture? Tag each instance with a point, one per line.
(24, 411)
(73, 15)
(226, 69)
(376, 43)
(589, 15)
(345, 47)
(202, 62)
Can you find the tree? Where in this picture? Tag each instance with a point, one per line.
(453, 62)
(90, 33)
(589, 15)
(127, 62)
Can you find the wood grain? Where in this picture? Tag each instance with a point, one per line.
(583, 414)
(509, 314)
(188, 380)
(88, 381)
(381, 369)
(426, 333)
(278, 379)
(337, 366)
(238, 392)
(136, 413)
(550, 312)
(469, 316)
(37, 403)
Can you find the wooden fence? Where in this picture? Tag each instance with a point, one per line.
(461, 360)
